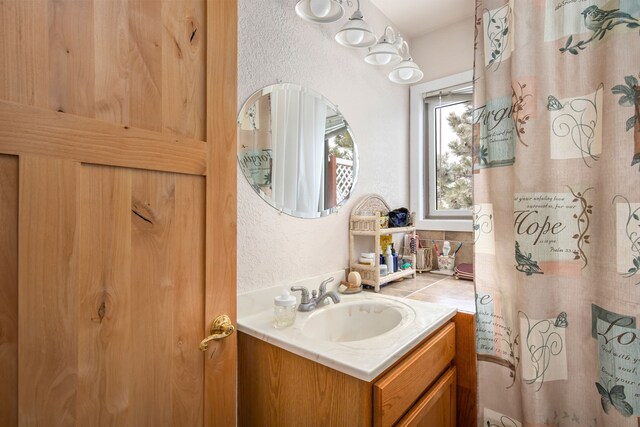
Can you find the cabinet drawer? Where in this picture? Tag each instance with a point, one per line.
(396, 392)
(437, 407)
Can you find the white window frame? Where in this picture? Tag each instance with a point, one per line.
(417, 167)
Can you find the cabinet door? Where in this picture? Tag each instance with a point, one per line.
(437, 408)
(395, 393)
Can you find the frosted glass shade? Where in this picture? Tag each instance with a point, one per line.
(384, 53)
(319, 11)
(406, 72)
(356, 33)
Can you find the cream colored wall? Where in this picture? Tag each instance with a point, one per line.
(444, 52)
(274, 44)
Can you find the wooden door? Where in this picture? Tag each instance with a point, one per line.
(117, 211)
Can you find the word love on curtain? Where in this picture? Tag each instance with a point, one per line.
(557, 212)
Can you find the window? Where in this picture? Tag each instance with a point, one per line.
(448, 151)
(441, 158)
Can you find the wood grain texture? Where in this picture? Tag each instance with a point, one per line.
(437, 407)
(184, 52)
(168, 299)
(71, 53)
(279, 388)
(105, 309)
(137, 63)
(146, 48)
(113, 305)
(9, 290)
(465, 361)
(221, 196)
(112, 44)
(115, 287)
(42, 132)
(187, 373)
(24, 59)
(48, 298)
(397, 390)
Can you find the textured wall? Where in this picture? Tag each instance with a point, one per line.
(274, 44)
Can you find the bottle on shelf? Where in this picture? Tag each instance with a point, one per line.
(388, 259)
(394, 254)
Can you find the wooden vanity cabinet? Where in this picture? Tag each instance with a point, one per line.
(406, 382)
(277, 387)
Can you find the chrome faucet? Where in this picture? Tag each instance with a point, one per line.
(311, 302)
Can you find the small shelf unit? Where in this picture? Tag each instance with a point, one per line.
(366, 219)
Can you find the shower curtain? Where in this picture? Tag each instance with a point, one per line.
(557, 212)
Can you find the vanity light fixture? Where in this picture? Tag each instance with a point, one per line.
(386, 51)
(407, 71)
(356, 32)
(321, 11)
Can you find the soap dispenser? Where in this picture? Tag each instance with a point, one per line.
(388, 259)
(284, 309)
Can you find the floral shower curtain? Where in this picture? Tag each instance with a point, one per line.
(557, 212)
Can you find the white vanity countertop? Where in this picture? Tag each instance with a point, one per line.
(364, 359)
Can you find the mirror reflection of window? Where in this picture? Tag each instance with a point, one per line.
(339, 146)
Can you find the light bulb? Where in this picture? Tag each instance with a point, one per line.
(320, 8)
(405, 73)
(354, 37)
(383, 58)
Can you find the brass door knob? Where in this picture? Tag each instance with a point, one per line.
(221, 327)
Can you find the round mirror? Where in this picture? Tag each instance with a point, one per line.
(296, 150)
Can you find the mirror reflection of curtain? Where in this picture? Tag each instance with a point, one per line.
(298, 144)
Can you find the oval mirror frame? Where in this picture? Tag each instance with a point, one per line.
(297, 151)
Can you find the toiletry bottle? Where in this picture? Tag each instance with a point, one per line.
(388, 259)
(446, 248)
(284, 309)
(394, 254)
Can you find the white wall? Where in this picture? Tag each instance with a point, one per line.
(274, 44)
(446, 51)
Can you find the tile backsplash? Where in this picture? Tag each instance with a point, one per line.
(464, 255)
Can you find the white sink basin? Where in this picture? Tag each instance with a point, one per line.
(354, 321)
(361, 336)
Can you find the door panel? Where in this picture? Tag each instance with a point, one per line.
(9, 289)
(167, 247)
(105, 303)
(140, 63)
(48, 297)
(24, 52)
(115, 298)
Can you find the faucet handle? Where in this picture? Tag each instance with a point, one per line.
(305, 293)
(323, 285)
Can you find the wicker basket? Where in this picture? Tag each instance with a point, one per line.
(369, 214)
(424, 260)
